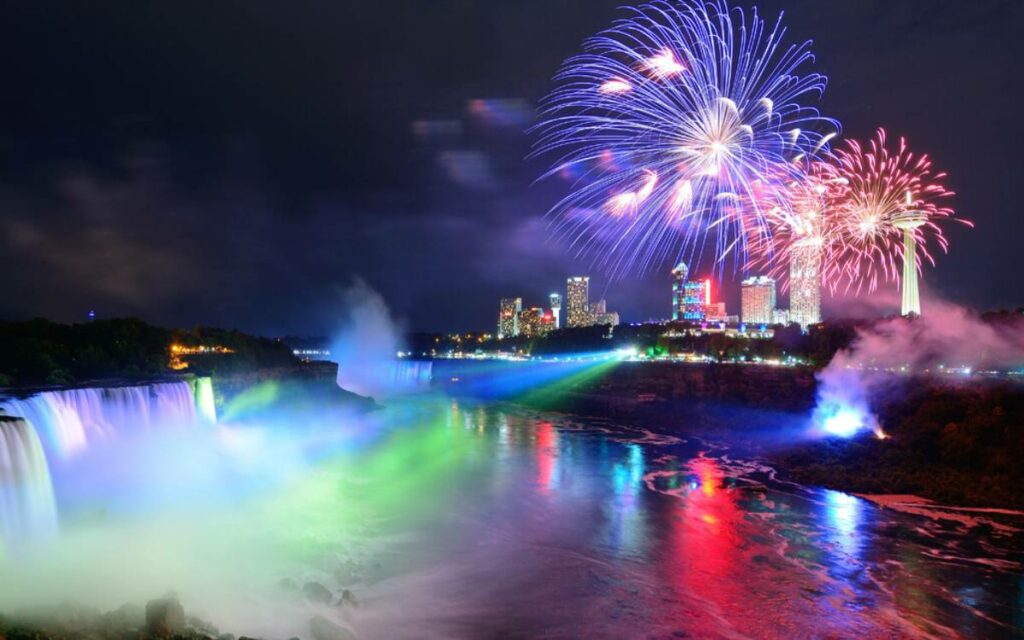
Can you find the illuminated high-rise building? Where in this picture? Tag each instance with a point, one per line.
(508, 317)
(600, 315)
(529, 322)
(547, 323)
(805, 284)
(757, 300)
(715, 312)
(556, 307)
(679, 275)
(577, 302)
(696, 296)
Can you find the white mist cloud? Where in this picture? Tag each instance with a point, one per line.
(947, 337)
(366, 348)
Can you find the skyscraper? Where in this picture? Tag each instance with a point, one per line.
(679, 275)
(529, 322)
(757, 300)
(805, 284)
(547, 324)
(508, 317)
(696, 296)
(556, 308)
(577, 296)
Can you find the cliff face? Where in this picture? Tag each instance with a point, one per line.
(228, 385)
(781, 388)
(643, 383)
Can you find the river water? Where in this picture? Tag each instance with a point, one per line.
(571, 527)
(449, 519)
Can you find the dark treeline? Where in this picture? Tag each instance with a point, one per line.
(816, 347)
(247, 352)
(41, 352)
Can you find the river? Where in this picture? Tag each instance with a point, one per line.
(453, 519)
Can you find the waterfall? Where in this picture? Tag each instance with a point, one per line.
(202, 390)
(45, 431)
(384, 378)
(412, 375)
(27, 507)
(70, 420)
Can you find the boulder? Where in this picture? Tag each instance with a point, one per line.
(165, 617)
(317, 593)
(347, 599)
(323, 629)
(202, 626)
(126, 619)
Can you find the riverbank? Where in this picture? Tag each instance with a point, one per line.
(160, 619)
(955, 443)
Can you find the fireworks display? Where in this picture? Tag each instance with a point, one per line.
(800, 215)
(853, 207)
(887, 185)
(685, 130)
(674, 120)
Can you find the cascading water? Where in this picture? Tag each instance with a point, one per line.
(202, 391)
(411, 375)
(72, 419)
(27, 508)
(48, 431)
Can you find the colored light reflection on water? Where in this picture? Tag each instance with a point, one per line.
(844, 515)
(449, 518)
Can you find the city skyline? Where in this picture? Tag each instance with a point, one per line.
(689, 300)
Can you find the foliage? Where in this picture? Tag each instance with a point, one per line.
(42, 352)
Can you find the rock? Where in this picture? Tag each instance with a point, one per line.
(347, 599)
(165, 617)
(121, 622)
(226, 636)
(316, 592)
(324, 629)
(62, 618)
(203, 627)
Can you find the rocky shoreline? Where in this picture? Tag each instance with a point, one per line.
(161, 619)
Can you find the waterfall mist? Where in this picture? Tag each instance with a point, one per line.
(119, 495)
(366, 348)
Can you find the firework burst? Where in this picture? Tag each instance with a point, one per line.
(673, 119)
(886, 184)
(801, 219)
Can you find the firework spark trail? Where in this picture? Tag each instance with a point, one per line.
(846, 204)
(672, 119)
(885, 182)
(801, 216)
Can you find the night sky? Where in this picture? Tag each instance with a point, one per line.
(239, 163)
